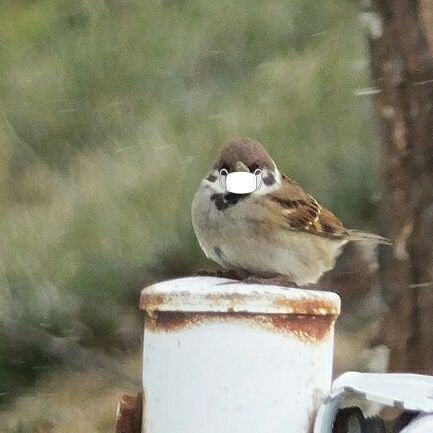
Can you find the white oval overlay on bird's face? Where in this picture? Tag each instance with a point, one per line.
(241, 182)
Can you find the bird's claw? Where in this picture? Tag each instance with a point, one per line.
(280, 280)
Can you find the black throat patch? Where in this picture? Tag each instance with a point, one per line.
(224, 201)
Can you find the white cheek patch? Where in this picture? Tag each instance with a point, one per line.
(268, 187)
(241, 182)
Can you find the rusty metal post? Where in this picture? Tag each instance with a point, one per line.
(129, 414)
(222, 356)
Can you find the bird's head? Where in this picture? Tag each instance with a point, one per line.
(245, 155)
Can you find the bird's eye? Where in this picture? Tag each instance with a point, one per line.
(253, 167)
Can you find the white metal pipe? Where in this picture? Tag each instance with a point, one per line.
(226, 357)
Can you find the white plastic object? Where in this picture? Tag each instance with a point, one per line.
(422, 424)
(413, 392)
(241, 182)
(221, 356)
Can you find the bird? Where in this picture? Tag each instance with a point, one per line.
(275, 231)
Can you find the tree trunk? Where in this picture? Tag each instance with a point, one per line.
(400, 36)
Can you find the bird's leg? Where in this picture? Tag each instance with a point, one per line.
(206, 273)
(220, 273)
(279, 280)
(230, 273)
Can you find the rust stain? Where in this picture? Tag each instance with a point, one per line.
(307, 306)
(172, 321)
(129, 414)
(311, 305)
(152, 302)
(306, 328)
(235, 298)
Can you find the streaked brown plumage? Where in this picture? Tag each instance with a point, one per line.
(278, 229)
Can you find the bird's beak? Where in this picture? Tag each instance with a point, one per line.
(240, 166)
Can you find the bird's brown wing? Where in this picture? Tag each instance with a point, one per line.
(294, 209)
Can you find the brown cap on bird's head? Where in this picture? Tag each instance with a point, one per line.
(250, 153)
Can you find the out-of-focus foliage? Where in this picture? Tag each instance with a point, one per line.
(110, 113)
(77, 402)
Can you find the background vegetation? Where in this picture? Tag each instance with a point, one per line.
(110, 113)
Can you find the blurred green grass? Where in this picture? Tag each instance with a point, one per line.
(111, 112)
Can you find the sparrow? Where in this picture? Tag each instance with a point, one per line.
(276, 230)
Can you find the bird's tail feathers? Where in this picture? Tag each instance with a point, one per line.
(358, 235)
